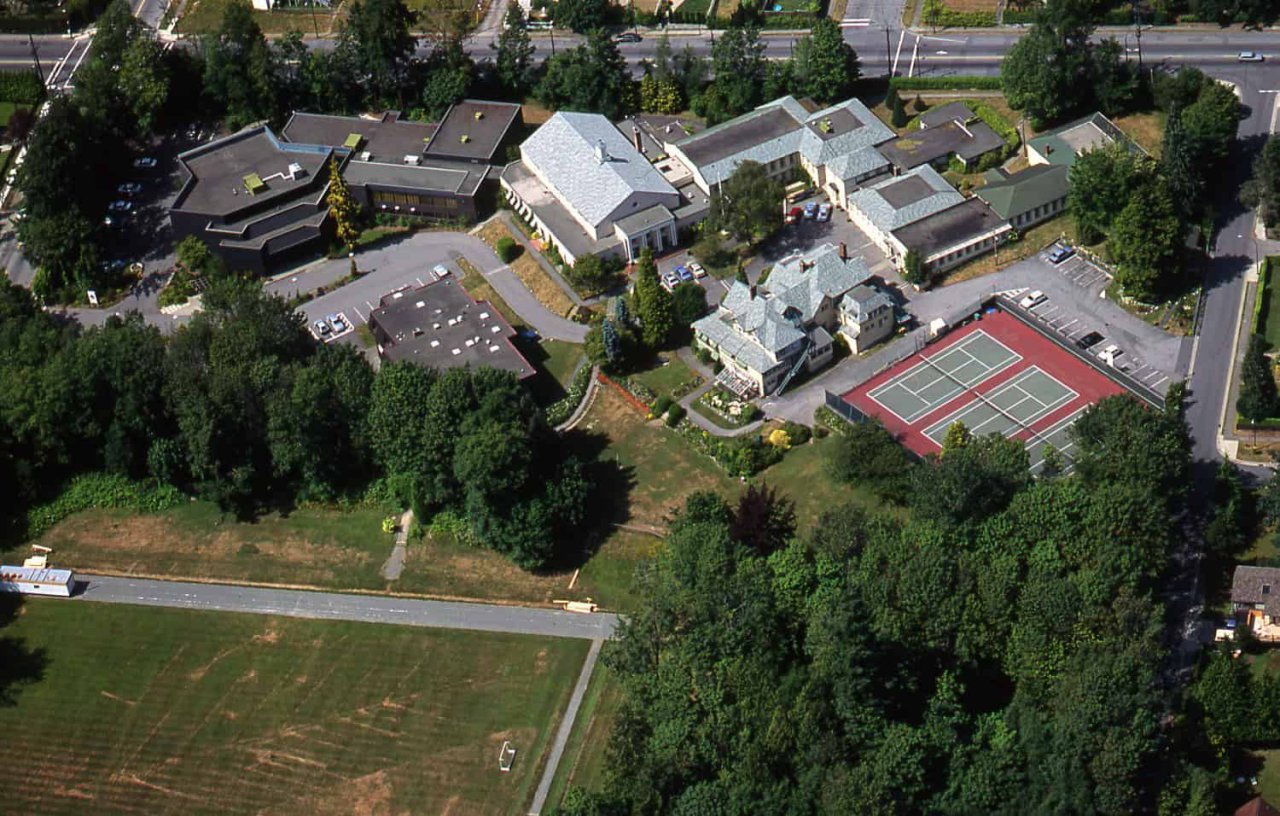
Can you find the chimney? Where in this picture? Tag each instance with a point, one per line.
(635, 137)
(844, 252)
(602, 152)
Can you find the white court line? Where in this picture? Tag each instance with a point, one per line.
(1016, 382)
(1013, 359)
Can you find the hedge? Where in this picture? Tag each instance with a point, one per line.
(946, 83)
(1261, 298)
(559, 412)
(21, 87)
(950, 18)
(1006, 129)
(102, 491)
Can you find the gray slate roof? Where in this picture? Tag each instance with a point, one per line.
(782, 128)
(564, 153)
(646, 219)
(905, 199)
(863, 300)
(803, 281)
(857, 164)
(946, 113)
(1257, 585)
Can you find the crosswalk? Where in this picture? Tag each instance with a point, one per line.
(855, 22)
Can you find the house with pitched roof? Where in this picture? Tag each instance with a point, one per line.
(586, 189)
(1028, 197)
(1255, 597)
(1062, 146)
(835, 143)
(765, 335)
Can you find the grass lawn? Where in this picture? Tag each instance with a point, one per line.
(1271, 311)
(667, 376)
(1269, 778)
(800, 475)
(561, 359)
(1147, 129)
(149, 710)
(530, 272)
(205, 16)
(585, 755)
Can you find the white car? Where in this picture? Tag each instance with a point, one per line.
(696, 269)
(1032, 300)
(669, 281)
(440, 270)
(1249, 56)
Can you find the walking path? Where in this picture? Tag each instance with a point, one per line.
(518, 620)
(588, 399)
(523, 240)
(566, 728)
(395, 562)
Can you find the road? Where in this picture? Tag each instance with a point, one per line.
(516, 620)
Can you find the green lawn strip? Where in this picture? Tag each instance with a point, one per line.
(561, 360)
(1269, 777)
(608, 578)
(330, 548)
(585, 755)
(148, 710)
(800, 476)
(1271, 325)
(205, 16)
(713, 417)
(664, 379)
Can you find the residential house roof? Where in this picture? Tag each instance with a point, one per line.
(942, 114)
(1257, 585)
(968, 141)
(944, 230)
(1012, 195)
(905, 199)
(864, 300)
(804, 281)
(1063, 145)
(590, 165)
(782, 128)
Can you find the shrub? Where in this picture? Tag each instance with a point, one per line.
(102, 490)
(21, 87)
(945, 83)
(559, 412)
(799, 434)
(661, 405)
(779, 439)
(675, 414)
(507, 249)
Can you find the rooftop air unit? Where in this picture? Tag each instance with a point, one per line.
(412, 159)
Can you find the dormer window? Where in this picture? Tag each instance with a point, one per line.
(1266, 589)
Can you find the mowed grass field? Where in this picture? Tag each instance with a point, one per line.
(157, 711)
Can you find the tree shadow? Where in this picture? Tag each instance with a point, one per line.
(20, 665)
(608, 504)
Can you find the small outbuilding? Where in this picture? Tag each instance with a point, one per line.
(37, 581)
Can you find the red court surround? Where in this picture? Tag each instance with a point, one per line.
(1035, 349)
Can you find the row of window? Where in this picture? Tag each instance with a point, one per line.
(427, 202)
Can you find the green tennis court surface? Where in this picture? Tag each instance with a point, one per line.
(1059, 436)
(1008, 408)
(937, 380)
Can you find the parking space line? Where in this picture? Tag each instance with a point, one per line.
(356, 309)
(1157, 383)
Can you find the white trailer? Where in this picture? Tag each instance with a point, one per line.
(37, 581)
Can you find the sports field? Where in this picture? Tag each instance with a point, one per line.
(154, 711)
(995, 375)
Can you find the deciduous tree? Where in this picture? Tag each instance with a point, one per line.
(1262, 191)
(1146, 242)
(515, 52)
(376, 42)
(1257, 399)
(342, 206)
(748, 204)
(825, 65)
(653, 304)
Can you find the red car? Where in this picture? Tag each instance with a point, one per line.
(794, 215)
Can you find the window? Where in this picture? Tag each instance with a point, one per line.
(1266, 589)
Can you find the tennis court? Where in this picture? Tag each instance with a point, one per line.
(939, 378)
(996, 375)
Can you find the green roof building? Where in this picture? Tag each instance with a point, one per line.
(1027, 198)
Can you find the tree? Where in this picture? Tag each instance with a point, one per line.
(763, 521)
(689, 302)
(582, 16)
(1115, 84)
(1101, 183)
(591, 77)
(64, 248)
(1211, 122)
(1146, 242)
(899, 116)
(239, 68)
(826, 67)
(866, 453)
(612, 343)
(660, 94)
(376, 42)
(957, 437)
(449, 76)
(1046, 75)
(913, 271)
(1257, 399)
(515, 53)
(342, 206)
(1262, 190)
(748, 204)
(144, 82)
(1180, 168)
(653, 304)
(738, 63)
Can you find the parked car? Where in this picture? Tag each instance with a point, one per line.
(1110, 353)
(628, 37)
(697, 270)
(1088, 341)
(1249, 56)
(811, 210)
(824, 212)
(793, 215)
(144, 163)
(337, 323)
(669, 280)
(321, 327)
(683, 273)
(129, 188)
(121, 206)
(440, 271)
(1032, 300)
(1060, 254)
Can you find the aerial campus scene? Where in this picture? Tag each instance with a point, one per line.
(662, 407)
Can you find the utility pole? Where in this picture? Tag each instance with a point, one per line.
(35, 56)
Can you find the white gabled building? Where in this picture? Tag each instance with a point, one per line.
(37, 581)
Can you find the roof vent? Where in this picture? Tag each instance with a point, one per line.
(479, 115)
(295, 170)
(366, 156)
(464, 138)
(413, 159)
(1266, 589)
(602, 152)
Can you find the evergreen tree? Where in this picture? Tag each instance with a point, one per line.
(653, 303)
(612, 345)
(1257, 399)
(899, 117)
(956, 437)
(515, 53)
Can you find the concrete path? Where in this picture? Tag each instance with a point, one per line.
(395, 562)
(517, 620)
(588, 399)
(566, 728)
(506, 218)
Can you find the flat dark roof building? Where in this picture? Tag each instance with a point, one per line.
(440, 326)
(474, 131)
(951, 227)
(388, 138)
(938, 143)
